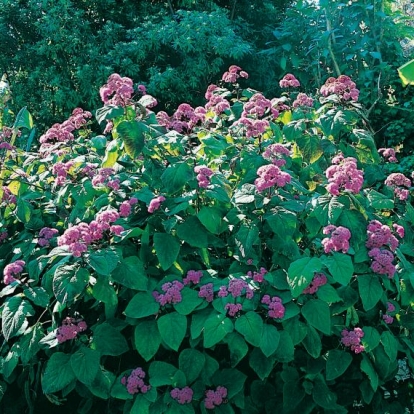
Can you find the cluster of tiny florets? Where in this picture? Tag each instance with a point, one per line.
(215, 398)
(379, 235)
(184, 119)
(135, 382)
(3, 235)
(155, 204)
(236, 287)
(61, 170)
(117, 91)
(319, 279)
(275, 153)
(276, 308)
(207, 292)
(8, 197)
(172, 293)
(182, 395)
(258, 276)
(339, 239)
(382, 262)
(193, 276)
(126, 207)
(344, 175)
(69, 329)
(103, 178)
(388, 319)
(234, 73)
(289, 81)
(302, 100)
(45, 235)
(388, 154)
(233, 308)
(352, 339)
(342, 86)
(270, 176)
(400, 183)
(203, 175)
(12, 271)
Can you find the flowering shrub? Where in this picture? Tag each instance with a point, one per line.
(246, 256)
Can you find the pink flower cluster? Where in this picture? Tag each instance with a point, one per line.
(259, 106)
(233, 308)
(69, 329)
(388, 154)
(60, 170)
(215, 398)
(182, 395)
(126, 207)
(254, 127)
(319, 279)
(269, 176)
(184, 119)
(3, 235)
(172, 293)
(352, 339)
(382, 262)
(258, 276)
(302, 100)
(343, 87)
(12, 271)
(45, 235)
(289, 81)
(8, 197)
(117, 90)
(343, 174)
(206, 292)
(275, 154)
(216, 103)
(103, 178)
(135, 382)
(388, 319)
(203, 175)
(380, 235)
(155, 203)
(77, 238)
(276, 308)
(339, 240)
(193, 276)
(236, 287)
(234, 73)
(398, 181)
(6, 146)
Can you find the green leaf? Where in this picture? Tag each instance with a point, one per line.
(102, 384)
(337, 363)
(29, 343)
(103, 261)
(167, 248)
(250, 326)
(246, 238)
(212, 219)
(406, 73)
(191, 362)
(301, 272)
(317, 314)
(190, 301)
(23, 210)
(108, 340)
(269, 340)
(58, 373)
(371, 338)
(37, 295)
(282, 222)
(366, 366)
(141, 305)
(85, 364)
(310, 147)
(131, 274)
(237, 347)
(172, 328)
(232, 379)
(340, 267)
(260, 364)
(108, 112)
(141, 405)
(23, 119)
(111, 154)
(69, 282)
(132, 134)
(176, 176)
(390, 345)
(161, 373)
(380, 201)
(322, 395)
(216, 327)
(285, 350)
(13, 317)
(147, 339)
(312, 342)
(328, 294)
(193, 232)
(293, 394)
(370, 290)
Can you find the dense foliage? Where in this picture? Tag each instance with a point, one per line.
(248, 255)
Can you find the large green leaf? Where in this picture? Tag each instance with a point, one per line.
(317, 314)
(250, 326)
(58, 373)
(69, 282)
(301, 272)
(23, 119)
(337, 363)
(85, 364)
(370, 290)
(310, 147)
(13, 317)
(29, 343)
(212, 219)
(246, 238)
(340, 267)
(108, 340)
(312, 342)
(112, 153)
(282, 222)
(216, 327)
(366, 366)
(193, 232)
(161, 373)
(176, 176)
(172, 328)
(261, 364)
(147, 338)
(269, 340)
(406, 73)
(108, 112)
(190, 301)
(237, 346)
(390, 345)
(141, 305)
(167, 248)
(131, 274)
(232, 379)
(327, 209)
(103, 261)
(191, 362)
(132, 134)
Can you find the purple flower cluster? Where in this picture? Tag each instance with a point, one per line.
(302, 100)
(172, 293)
(319, 279)
(215, 398)
(69, 329)
(380, 235)
(155, 203)
(233, 308)
(12, 271)
(258, 276)
(289, 81)
(254, 127)
(398, 181)
(352, 339)
(275, 154)
(339, 240)
(3, 235)
(117, 91)
(216, 103)
(193, 276)
(388, 154)
(103, 178)
(184, 119)
(234, 73)
(5, 145)
(388, 319)
(343, 174)
(236, 287)
(60, 170)
(203, 175)
(126, 207)
(135, 382)
(206, 292)
(45, 235)
(343, 87)
(269, 176)
(8, 197)
(276, 308)
(382, 262)
(182, 395)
